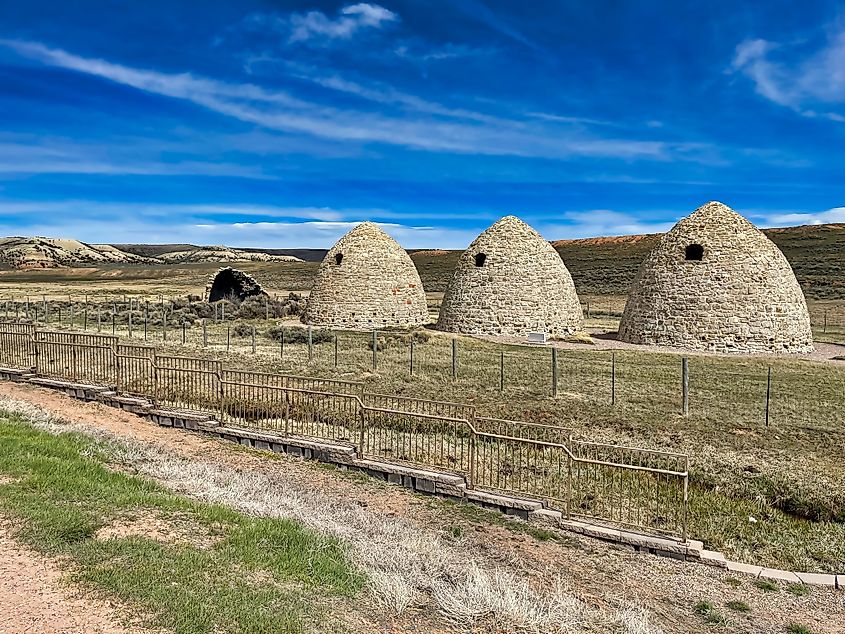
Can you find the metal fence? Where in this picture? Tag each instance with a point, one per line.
(627, 486)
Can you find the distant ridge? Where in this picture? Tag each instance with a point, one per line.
(158, 250)
(607, 265)
(38, 252)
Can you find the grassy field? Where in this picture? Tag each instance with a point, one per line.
(66, 498)
(770, 493)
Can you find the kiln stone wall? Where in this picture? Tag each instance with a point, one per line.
(521, 286)
(366, 281)
(740, 296)
(229, 282)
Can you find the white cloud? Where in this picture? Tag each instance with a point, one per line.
(56, 156)
(381, 93)
(816, 81)
(791, 219)
(278, 110)
(601, 222)
(128, 227)
(352, 18)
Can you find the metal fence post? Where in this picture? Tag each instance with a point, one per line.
(824, 328)
(335, 350)
(145, 324)
(685, 385)
(569, 478)
(282, 345)
(554, 372)
(130, 318)
(204, 334)
(613, 378)
(164, 325)
(454, 358)
(310, 344)
(184, 333)
(501, 371)
(768, 393)
(361, 435)
(253, 339)
(228, 337)
(411, 359)
(375, 350)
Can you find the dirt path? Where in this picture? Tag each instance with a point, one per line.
(601, 574)
(35, 600)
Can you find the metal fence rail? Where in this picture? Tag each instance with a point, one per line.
(187, 383)
(135, 369)
(17, 344)
(623, 485)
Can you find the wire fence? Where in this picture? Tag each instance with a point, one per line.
(626, 486)
(628, 381)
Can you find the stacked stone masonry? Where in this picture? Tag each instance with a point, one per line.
(717, 283)
(510, 281)
(229, 283)
(366, 281)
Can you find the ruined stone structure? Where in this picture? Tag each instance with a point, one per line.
(229, 283)
(366, 281)
(715, 282)
(510, 281)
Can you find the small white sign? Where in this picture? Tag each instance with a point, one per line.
(536, 337)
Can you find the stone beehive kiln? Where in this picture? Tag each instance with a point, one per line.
(229, 283)
(366, 281)
(510, 281)
(715, 282)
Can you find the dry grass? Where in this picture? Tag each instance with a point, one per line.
(404, 565)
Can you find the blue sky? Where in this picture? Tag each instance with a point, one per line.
(281, 124)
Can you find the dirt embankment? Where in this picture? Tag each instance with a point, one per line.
(602, 575)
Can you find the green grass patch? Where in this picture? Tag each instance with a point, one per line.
(738, 606)
(798, 589)
(709, 613)
(766, 585)
(227, 573)
(796, 628)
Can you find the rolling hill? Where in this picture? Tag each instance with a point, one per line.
(222, 254)
(48, 253)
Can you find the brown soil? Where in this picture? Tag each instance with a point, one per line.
(34, 598)
(600, 573)
(173, 529)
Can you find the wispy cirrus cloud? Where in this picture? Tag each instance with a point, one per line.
(315, 27)
(352, 19)
(788, 219)
(61, 156)
(807, 86)
(602, 222)
(280, 110)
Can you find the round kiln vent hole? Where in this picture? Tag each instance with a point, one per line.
(694, 252)
(480, 259)
(338, 258)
